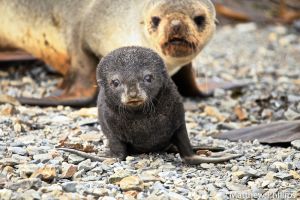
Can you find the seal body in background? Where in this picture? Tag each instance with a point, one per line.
(140, 109)
(72, 35)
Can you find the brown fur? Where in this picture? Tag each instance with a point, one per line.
(72, 35)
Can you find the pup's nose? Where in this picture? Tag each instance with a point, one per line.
(132, 94)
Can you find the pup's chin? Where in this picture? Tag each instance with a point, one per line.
(178, 47)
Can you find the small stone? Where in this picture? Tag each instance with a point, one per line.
(69, 186)
(31, 195)
(291, 115)
(118, 176)
(284, 176)
(9, 162)
(86, 165)
(246, 27)
(296, 144)
(68, 170)
(235, 186)
(8, 110)
(239, 174)
(17, 150)
(206, 165)
(295, 174)
(26, 170)
(78, 175)
(5, 194)
(100, 192)
(46, 173)
(131, 183)
(278, 166)
(91, 137)
(131, 194)
(18, 127)
(24, 184)
(42, 158)
(74, 159)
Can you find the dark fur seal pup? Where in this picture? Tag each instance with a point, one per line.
(71, 36)
(140, 109)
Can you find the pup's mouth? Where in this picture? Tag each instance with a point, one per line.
(178, 47)
(135, 102)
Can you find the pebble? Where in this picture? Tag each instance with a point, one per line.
(296, 144)
(118, 176)
(42, 158)
(86, 165)
(284, 176)
(68, 170)
(74, 159)
(235, 186)
(131, 183)
(5, 194)
(24, 184)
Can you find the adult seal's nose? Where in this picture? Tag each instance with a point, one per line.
(176, 25)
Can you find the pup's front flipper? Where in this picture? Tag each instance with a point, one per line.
(181, 140)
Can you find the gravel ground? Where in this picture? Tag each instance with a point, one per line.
(268, 57)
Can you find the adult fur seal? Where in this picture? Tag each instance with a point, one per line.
(72, 35)
(140, 109)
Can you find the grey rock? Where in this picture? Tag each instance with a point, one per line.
(118, 176)
(24, 184)
(31, 195)
(42, 158)
(86, 165)
(284, 176)
(69, 186)
(5, 194)
(296, 144)
(9, 162)
(25, 170)
(74, 159)
(235, 186)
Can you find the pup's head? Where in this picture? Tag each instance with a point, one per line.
(131, 77)
(179, 29)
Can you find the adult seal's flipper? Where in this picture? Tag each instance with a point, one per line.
(277, 132)
(80, 98)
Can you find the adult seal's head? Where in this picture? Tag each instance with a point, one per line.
(179, 29)
(131, 77)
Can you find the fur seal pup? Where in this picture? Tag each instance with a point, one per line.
(140, 109)
(72, 35)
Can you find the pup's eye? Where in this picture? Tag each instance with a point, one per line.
(199, 20)
(148, 78)
(155, 21)
(115, 83)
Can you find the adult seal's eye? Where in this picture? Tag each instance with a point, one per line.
(115, 83)
(199, 20)
(155, 21)
(148, 78)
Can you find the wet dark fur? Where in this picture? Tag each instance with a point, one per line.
(155, 126)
